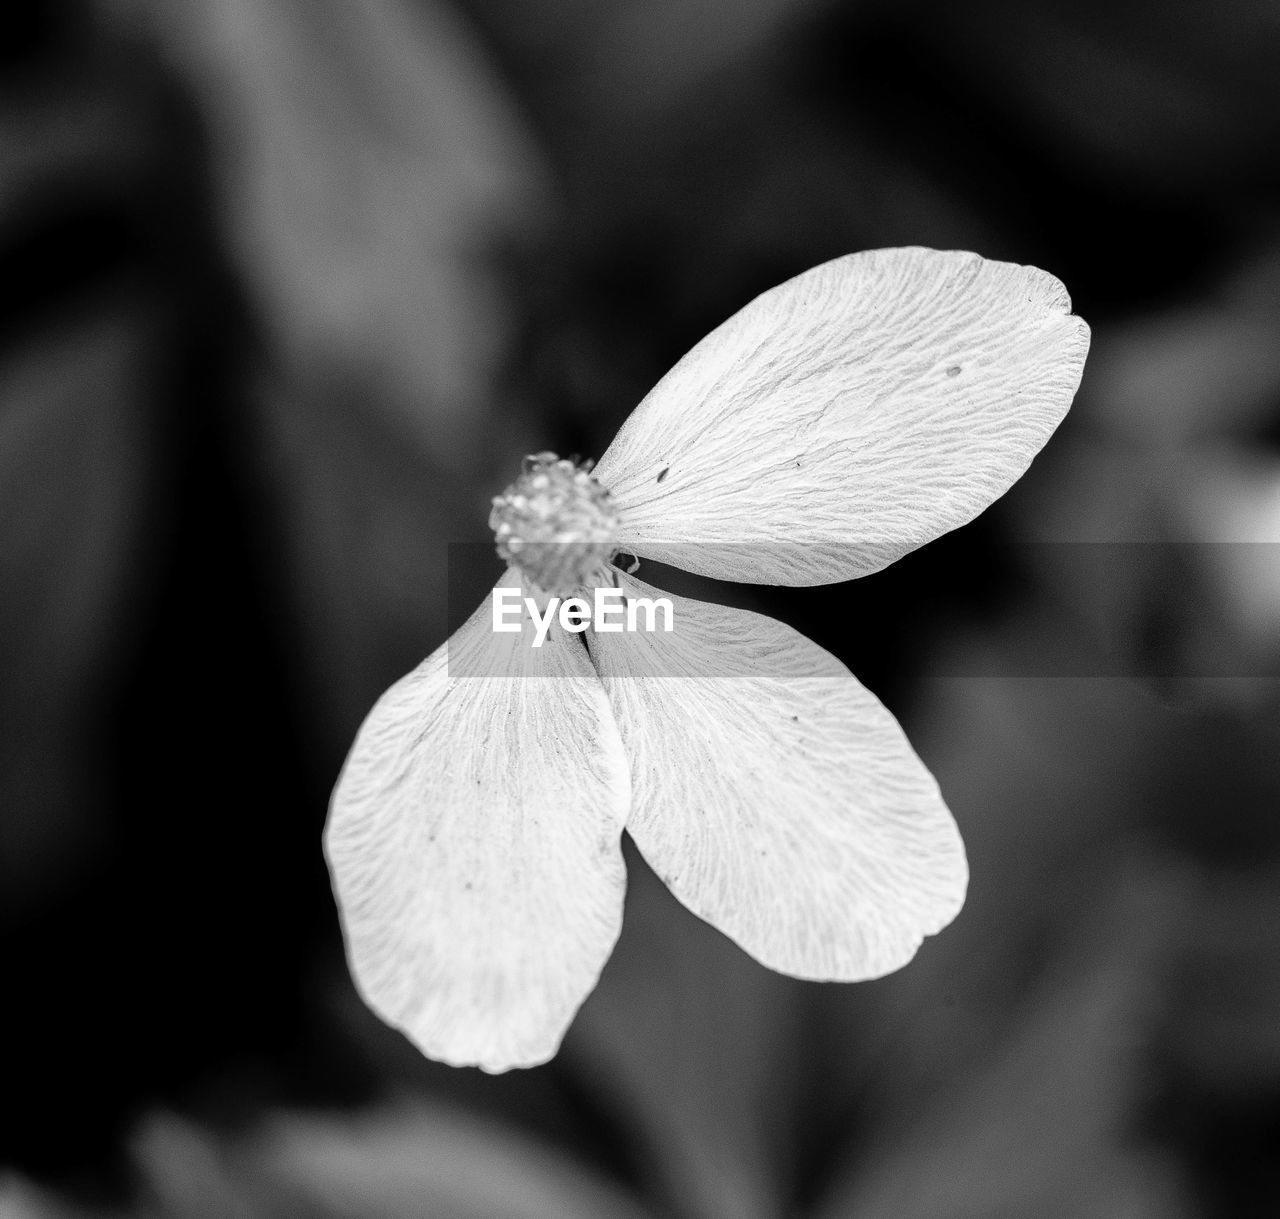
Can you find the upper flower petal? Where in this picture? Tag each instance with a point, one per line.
(776, 796)
(474, 844)
(847, 416)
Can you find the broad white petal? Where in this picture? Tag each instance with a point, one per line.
(847, 417)
(474, 844)
(776, 796)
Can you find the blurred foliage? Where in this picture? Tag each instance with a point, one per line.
(289, 287)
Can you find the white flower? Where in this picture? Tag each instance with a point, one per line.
(834, 424)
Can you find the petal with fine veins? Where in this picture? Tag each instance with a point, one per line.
(474, 841)
(847, 417)
(776, 796)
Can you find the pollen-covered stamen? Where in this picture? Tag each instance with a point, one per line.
(557, 524)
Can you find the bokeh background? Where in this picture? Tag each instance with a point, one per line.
(287, 287)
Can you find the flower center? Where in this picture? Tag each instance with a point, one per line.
(556, 524)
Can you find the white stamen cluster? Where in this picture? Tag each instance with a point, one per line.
(557, 524)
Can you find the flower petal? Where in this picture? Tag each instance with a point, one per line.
(847, 417)
(776, 796)
(474, 841)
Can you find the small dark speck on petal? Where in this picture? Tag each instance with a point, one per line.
(954, 370)
(795, 719)
(663, 472)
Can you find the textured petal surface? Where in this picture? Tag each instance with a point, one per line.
(474, 843)
(782, 802)
(847, 417)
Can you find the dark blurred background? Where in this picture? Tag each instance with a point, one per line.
(287, 287)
